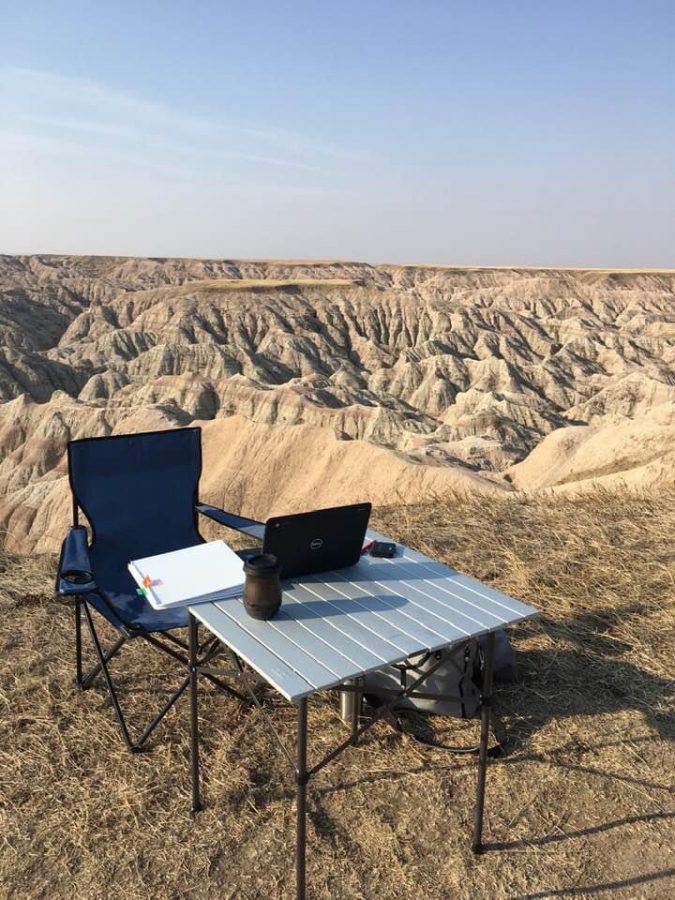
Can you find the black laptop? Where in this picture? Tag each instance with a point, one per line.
(317, 541)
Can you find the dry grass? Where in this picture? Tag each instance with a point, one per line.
(580, 806)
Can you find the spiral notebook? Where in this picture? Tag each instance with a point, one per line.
(206, 572)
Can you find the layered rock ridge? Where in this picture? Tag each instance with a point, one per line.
(455, 378)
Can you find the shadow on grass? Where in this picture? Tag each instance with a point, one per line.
(589, 678)
(581, 832)
(583, 674)
(549, 758)
(587, 889)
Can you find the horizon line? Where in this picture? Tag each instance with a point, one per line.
(360, 262)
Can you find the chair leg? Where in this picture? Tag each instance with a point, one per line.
(111, 689)
(190, 680)
(78, 641)
(485, 713)
(163, 711)
(194, 714)
(87, 680)
(102, 666)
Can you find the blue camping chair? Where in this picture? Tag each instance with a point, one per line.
(139, 493)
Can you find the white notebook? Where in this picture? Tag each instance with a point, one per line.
(210, 571)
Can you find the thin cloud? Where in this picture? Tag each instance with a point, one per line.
(286, 163)
(297, 143)
(59, 102)
(90, 126)
(111, 103)
(20, 147)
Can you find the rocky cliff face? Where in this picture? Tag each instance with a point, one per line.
(452, 377)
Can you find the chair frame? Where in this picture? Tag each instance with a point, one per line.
(85, 680)
(163, 641)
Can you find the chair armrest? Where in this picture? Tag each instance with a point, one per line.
(239, 523)
(74, 574)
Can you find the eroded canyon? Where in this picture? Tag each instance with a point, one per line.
(324, 382)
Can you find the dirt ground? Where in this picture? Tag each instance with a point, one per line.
(581, 805)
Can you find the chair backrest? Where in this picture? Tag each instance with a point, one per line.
(138, 491)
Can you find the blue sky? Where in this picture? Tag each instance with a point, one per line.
(487, 133)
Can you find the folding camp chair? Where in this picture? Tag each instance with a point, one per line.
(139, 495)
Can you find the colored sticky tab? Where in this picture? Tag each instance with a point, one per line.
(147, 582)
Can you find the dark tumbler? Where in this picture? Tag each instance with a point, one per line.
(262, 588)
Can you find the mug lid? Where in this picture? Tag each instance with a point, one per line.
(262, 564)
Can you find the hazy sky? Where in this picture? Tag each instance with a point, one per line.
(509, 132)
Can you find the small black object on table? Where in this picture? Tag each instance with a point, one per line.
(262, 588)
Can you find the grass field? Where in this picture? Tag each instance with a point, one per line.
(580, 806)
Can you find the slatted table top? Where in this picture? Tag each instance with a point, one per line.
(338, 625)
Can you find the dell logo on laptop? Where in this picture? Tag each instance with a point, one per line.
(316, 544)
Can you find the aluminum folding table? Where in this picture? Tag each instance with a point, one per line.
(335, 627)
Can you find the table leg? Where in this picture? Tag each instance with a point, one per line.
(301, 779)
(194, 721)
(485, 714)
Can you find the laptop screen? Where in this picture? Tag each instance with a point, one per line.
(317, 541)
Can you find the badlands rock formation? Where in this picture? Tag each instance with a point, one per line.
(318, 382)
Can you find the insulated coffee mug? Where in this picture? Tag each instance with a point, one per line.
(262, 588)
